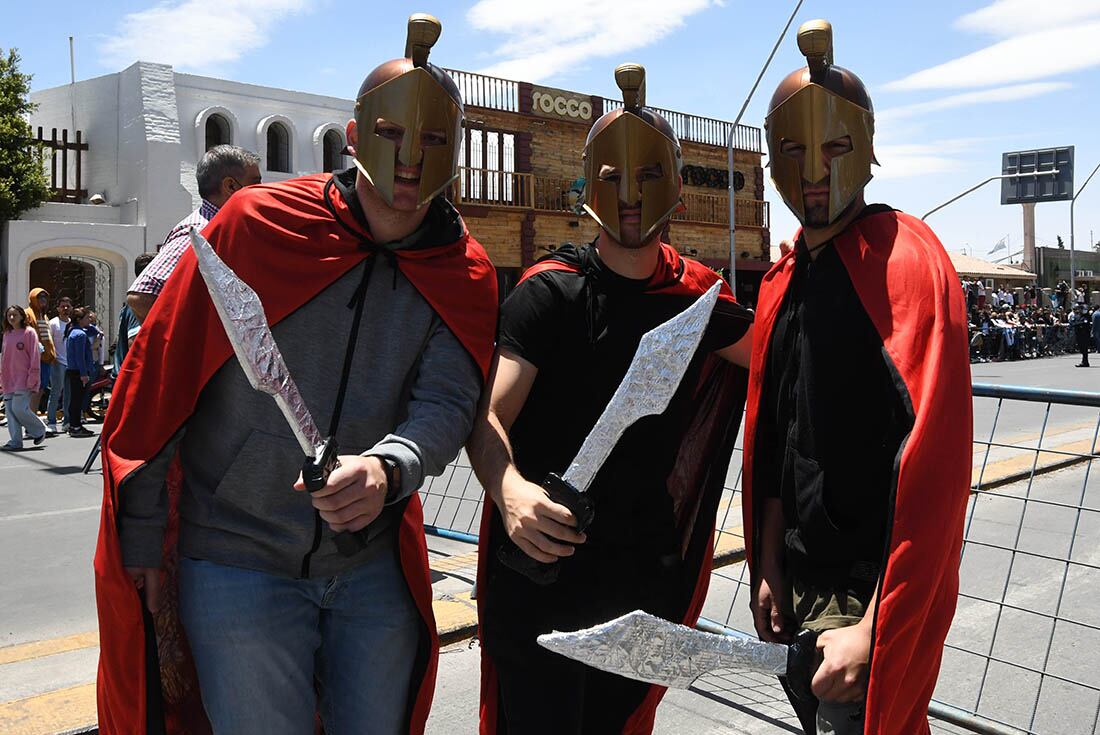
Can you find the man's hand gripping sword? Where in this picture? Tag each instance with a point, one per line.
(246, 326)
(659, 365)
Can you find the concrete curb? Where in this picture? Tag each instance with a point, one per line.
(1012, 477)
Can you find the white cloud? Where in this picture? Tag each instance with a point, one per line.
(1010, 93)
(1013, 17)
(907, 160)
(1021, 58)
(196, 34)
(546, 37)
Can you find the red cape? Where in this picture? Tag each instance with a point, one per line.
(712, 436)
(284, 242)
(910, 290)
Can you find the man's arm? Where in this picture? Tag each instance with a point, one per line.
(532, 521)
(845, 658)
(439, 413)
(769, 600)
(140, 304)
(147, 286)
(142, 517)
(740, 352)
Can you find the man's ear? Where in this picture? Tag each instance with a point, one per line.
(351, 133)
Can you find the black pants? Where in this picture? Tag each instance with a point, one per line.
(543, 693)
(74, 398)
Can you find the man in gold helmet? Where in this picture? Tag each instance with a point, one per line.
(567, 335)
(858, 425)
(368, 273)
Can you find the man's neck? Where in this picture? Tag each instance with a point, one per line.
(637, 263)
(386, 223)
(817, 236)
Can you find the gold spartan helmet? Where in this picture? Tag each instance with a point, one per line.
(619, 144)
(814, 106)
(419, 97)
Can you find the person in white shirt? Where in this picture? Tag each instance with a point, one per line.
(57, 368)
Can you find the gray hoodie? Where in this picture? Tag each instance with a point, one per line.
(411, 397)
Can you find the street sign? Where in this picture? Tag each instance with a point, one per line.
(1025, 187)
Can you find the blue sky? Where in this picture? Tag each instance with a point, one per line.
(955, 82)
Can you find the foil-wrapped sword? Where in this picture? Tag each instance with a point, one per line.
(651, 649)
(658, 367)
(246, 326)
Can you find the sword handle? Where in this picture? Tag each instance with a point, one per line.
(801, 657)
(315, 474)
(563, 493)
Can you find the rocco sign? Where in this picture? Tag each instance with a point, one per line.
(558, 103)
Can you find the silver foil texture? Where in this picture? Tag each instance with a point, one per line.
(245, 324)
(659, 365)
(647, 648)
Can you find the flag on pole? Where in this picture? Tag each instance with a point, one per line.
(999, 246)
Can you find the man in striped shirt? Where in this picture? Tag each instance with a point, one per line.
(223, 171)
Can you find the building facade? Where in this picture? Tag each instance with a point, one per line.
(1053, 266)
(144, 129)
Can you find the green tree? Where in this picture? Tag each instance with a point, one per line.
(1061, 245)
(23, 183)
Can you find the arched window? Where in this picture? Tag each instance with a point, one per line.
(278, 148)
(218, 131)
(333, 143)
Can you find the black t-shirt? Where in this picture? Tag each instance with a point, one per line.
(581, 331)
(832, 421)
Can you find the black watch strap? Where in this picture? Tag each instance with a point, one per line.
(393, 476)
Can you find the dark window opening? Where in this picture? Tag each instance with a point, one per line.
(487, 164)
(333, 143)
(278, 148)
(218, 131)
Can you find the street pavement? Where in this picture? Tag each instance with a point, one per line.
(49, 514)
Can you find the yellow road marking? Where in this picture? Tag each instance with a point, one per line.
(455, 616)
(38, 649)
(454, 563)
(50, 713)
(1003, 468)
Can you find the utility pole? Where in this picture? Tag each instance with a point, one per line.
(729, 150)
(1072, 262)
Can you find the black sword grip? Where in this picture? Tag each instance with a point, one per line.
(578, 503)
(583, 510)
(801, 656)
(315, 474)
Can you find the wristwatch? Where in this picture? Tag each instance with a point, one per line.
(393, 476)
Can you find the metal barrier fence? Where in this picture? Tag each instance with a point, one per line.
(1023, 654)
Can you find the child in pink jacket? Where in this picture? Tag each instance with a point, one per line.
(19, 377)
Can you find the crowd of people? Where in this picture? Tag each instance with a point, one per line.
(46, 366)
(1027, 323)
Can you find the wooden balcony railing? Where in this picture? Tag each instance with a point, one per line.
(479, 90)
(64, 154)
(703, 129)
(513, 190)
(493, 188)
(494, 93)
(714, 209)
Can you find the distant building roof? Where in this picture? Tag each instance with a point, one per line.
(967, 265)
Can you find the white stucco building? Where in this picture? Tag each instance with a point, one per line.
(146, 128)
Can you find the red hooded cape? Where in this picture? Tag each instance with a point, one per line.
(910, 290)
(696, 483)
(285, 243)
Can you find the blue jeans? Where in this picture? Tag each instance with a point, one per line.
(20, 416)
(260, 643)
(57, 391)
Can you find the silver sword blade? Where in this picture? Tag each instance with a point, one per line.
(651, 649)
(659, 364)
(245, 324)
